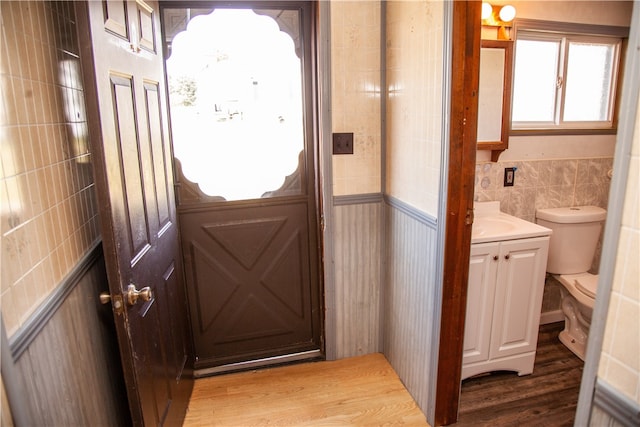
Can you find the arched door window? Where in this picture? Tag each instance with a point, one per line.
(237, 103)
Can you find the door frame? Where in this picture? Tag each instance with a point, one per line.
(319, 74)
(324, 170)
(463, 108)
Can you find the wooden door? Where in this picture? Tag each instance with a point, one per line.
(126, 109)
(244, 144)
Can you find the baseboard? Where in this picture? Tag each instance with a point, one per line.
(551, 317)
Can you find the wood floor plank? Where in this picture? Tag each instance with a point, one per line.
(547, 397)
(358, 391)
(365, 391)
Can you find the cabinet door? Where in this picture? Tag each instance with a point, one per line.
(480, 295)
(518, 296)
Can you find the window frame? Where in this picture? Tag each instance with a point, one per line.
(564, 33)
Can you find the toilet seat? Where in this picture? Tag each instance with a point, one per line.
(570, 283)
(588, 284)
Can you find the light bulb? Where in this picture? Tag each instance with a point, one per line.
(507, 13)
(486, 10)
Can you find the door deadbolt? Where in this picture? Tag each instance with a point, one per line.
(105, 298)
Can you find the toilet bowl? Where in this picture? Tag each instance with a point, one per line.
(578, 292)
(576, 231)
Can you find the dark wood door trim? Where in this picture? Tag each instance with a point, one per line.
(462, 153)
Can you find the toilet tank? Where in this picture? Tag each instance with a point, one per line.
(573, 243)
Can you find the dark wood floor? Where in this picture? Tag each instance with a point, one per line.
(548, 397)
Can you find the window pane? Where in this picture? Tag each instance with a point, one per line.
(588, 82)
(534, 87)
(237, 104)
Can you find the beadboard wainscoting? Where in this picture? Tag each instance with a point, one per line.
(358, 271)
(411, 302)
(63, 367)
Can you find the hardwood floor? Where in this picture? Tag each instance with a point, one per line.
(359, 391)
(548, 397)
(365, 391)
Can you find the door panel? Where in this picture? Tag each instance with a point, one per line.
(115, 13)
(127, 113)
(480, 296)
(520, 274)
(247, 267)
(129, 156)
(243, 137)
(156, 148)
(145, 26)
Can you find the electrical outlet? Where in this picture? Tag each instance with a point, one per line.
(343, 143)
(509, 176)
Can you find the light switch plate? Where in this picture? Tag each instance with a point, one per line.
(343, 143)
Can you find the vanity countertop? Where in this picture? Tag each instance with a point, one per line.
(492, 225)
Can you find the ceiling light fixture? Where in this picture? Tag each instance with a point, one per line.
(486, 10)
(507, 13)
(498, 16)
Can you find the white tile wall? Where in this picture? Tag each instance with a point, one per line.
(415, 31)
(620, 359)
(48, 215)
(355, 94)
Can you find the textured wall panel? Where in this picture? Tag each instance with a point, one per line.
(49, 216)
(410, 303)
(357, 255)
(70, 374)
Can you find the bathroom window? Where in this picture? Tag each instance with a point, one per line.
(564, 81)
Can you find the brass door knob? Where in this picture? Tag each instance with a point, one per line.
(133, 294)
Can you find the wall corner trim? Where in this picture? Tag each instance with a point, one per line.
(411, 211)
(618, 406)
(25, 335)
(357, 199)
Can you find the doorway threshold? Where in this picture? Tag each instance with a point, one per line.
(258, 363)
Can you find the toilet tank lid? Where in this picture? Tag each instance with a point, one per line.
(571, 215)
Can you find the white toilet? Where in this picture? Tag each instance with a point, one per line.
(576, 231)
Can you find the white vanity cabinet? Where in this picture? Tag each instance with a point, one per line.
(504, 297)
